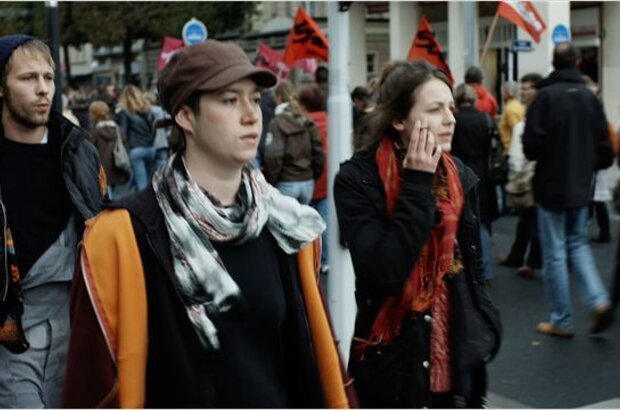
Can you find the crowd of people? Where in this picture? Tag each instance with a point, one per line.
(200, 212)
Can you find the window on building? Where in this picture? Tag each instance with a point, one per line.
(372, 64)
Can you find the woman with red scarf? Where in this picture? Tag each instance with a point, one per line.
(408, 211)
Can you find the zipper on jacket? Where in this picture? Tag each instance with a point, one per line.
(5, 285)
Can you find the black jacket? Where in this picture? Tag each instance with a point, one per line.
(82, 173)
(384, 251)
(137, 127)
(177, 373)
(566, 133)
(472, 144)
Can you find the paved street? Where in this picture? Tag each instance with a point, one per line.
(537, 371)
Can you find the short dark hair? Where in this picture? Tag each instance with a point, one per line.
(360, 93)
(565, 55)
(533, 78)
(312, 98)
(321, 75)
(464, 95)
(473, 75)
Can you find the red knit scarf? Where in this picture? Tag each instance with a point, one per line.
(438, 251)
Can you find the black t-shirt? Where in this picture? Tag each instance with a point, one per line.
(249, 368)
(35, 196)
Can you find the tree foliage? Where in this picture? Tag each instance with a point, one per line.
(23, 17)
(115, 23)
(111, 23)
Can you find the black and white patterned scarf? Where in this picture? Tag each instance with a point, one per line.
(195, 219)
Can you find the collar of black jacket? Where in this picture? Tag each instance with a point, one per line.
(143, 205)
(58, 126)
(571, 75)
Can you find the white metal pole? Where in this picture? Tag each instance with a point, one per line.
(340, 280)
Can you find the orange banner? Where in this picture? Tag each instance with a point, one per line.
(426, 47)
(305, 40)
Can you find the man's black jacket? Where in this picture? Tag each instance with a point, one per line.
(566, 133)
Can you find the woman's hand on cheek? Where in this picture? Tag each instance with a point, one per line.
(423, 153)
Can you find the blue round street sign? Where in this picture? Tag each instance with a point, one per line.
(560, 34)
(194, 32)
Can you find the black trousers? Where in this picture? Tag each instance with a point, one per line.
(599, 209)
(526, 237)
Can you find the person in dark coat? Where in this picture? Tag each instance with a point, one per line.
(104, 136)
(51, 182)
(136, 122)
(425, 327)
(566, 133)
(471, 144)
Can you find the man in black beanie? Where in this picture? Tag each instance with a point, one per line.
(51, 181)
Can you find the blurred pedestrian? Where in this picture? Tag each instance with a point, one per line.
(321, 78)
(362, 104)
(472, 144)
(293, 157)
(268, 108)
(520, 194)
(136, 122)
(200, 277)
(109, 94)
(312, 102)
(602, 184)
(485, 101)
(104, 136)
(566, 134)
(425, 326)
(51, 182)
(161, 142)
(514, 112)
(66, 111)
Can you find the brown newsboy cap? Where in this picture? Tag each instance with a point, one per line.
(207, 66)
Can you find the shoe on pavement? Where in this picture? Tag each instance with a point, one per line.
(602, 317)
(602, 239)
(527, 272)
(549, 329)
(508, 261)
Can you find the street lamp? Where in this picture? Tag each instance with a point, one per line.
(53, 33)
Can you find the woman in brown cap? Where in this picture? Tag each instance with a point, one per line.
(200, 291)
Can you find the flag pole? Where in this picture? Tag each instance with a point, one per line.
(488, 40)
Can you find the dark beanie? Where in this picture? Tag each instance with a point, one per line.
(8, 44)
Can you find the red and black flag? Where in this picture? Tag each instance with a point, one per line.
(306, 40)
(426, 47)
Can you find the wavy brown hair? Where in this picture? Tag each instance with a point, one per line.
(133, 100)
(397, 88)
(285, 93)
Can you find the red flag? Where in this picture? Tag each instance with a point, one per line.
(271, 59)
(426, 47)
(305, 40)
(524, 15)
(169, 46)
